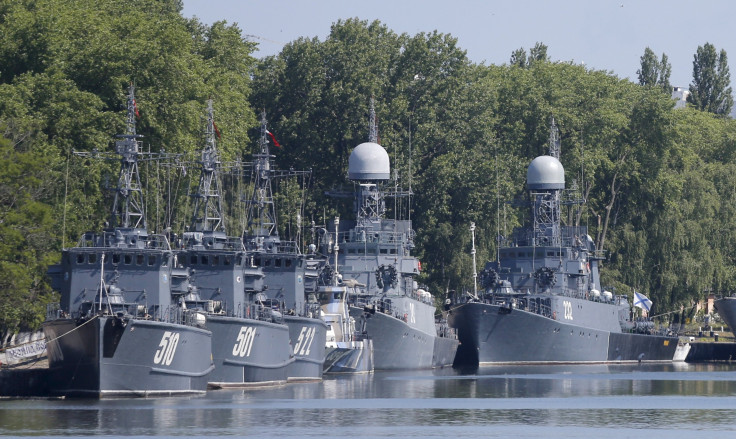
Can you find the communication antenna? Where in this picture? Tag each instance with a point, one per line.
(554, 140)
(472, 252)
(373, 128)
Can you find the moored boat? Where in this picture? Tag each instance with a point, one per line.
(374, 252)
(290, 276)
(348, 347)
(541, 300)
(215, 275)
(726, 308)
(117, 330)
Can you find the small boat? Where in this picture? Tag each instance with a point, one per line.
(349, 349)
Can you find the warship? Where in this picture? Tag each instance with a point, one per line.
(117, 330)
(214, 274)
(374, 253)
(290, 276)
(541, 300)
(726, 308)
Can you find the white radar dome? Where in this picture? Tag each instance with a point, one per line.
(369, 161)
(545, 172)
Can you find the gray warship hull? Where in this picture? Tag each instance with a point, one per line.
(350, 357)
(107, 356)
(492, 334)
(397, 345)
(726, 308)
(308, 338)
(248, 352)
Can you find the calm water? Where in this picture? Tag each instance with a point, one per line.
(652, 401)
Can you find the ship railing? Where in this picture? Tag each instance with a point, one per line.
(286, 247)
(54, 312)
(533, 305)
(181, 316)
(109, 239)
(570, 236)
(371, 236)
(233, 243)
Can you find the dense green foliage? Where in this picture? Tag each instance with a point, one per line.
(711, 87)
(657, 182)
(64, 71)
(654, 72)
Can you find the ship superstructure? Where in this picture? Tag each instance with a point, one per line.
(374, 253)
(541, 300)
(290, 282)
(118, 330)
(250, 341)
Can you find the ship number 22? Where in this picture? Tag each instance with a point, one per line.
(166, 348)
(244, 343)
(568, 309)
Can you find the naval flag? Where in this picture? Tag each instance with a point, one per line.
(273, 138)
(642, 301)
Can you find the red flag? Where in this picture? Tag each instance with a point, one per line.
(273, 138)
(135, 106)
(217, 132)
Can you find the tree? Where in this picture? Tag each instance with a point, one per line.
(655, 73)
(711, 87)
(537, 54)
(65, 70)
(518, 58)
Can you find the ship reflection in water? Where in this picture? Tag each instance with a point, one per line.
(602, 401)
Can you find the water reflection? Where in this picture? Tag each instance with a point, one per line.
(537, 401)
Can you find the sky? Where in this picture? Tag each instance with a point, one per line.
(603, 34)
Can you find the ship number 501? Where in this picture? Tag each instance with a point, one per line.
(244, 343)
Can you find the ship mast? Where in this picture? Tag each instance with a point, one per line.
(128, 208)
(208, 212)
(546, 198)
(554, 140)
(369, 202)
(261, 208)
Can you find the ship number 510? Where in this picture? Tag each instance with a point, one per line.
(167, 348)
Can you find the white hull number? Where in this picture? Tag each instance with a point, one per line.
(568, 309)
(304, 342)
(244, 343)
(166, 348)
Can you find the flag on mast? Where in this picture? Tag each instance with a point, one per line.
(273, 138)
(642, 301)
